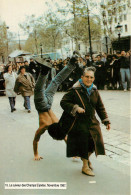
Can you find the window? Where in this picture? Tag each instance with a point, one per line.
(126, 29)
(120, 18)
(122, 29)
(124, 7)
(125, 17)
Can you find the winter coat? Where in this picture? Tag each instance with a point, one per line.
(85, 124)
(100, 71)
(124, 62)
(10, 83)
(88, 63)
(25, 84)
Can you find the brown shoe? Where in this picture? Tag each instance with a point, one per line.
(90, 165)
(87, 171)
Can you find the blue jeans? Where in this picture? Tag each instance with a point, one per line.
(43, 98)
(27, 102)
(125, 74)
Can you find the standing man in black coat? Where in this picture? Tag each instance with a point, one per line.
(100, 76)
(125, 71)
(88, 62)
(116, 72)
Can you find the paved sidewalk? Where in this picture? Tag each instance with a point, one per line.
(118, 146)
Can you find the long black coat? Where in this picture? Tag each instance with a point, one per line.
(85, 124)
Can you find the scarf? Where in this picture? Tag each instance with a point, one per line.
(89, 89)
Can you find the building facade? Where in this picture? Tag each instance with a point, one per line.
(116, 12)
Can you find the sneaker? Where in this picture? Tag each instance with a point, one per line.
(14, 109)
(125, 90)
(29, 111)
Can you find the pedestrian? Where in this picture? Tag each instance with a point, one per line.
(88, 62)
(124, 64)
(104, 57)
(25, 84)
(85, 137)
(109, 72)
(10, 78)
(100, 76)
(43, 98)
(26, 64)
(115, 72)
(81, 62)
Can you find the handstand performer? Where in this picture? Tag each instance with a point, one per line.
(43, 98)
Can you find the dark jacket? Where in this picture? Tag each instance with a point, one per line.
(124, 62)
(87, 123)
(88, 63)
(100, 72)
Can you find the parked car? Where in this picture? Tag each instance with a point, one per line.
(2, 81)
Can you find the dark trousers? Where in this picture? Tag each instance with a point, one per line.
(12, 102)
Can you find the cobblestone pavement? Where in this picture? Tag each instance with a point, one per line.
(117, 140)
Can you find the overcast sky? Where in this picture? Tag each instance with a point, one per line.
(13, 12)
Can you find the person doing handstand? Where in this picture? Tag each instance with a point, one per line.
(43, 97)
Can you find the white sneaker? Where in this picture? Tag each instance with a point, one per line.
(125, 90)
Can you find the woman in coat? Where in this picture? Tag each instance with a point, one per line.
(10, 78)
(25, 85)
(85, 137)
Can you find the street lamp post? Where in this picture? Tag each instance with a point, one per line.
(106, 44)
(118, 30)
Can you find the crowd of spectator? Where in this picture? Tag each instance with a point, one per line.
(112, 71)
